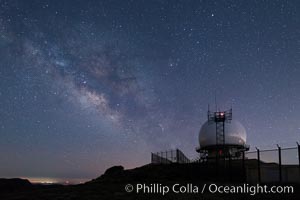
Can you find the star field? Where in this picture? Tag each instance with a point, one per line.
(85, 85)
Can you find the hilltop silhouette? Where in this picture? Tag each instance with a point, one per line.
(111, 184)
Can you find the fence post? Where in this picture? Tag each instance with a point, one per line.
(152, 158)
(298, 145)
(230, 166)
(167, 160)
(243, 166)
(280, 165)
(258, 164)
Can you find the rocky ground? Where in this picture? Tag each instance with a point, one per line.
(111, 185)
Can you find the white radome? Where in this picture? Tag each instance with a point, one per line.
(235, 134)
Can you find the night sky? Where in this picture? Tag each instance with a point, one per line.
(85, 85)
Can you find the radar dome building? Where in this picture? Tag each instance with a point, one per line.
(221, 136)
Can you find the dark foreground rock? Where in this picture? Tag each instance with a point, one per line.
(14, 184)
(112, 184)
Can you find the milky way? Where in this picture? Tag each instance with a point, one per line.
(89, 84)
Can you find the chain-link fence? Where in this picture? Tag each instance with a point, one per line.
(268, 165)
(167, 157)
(273, 165)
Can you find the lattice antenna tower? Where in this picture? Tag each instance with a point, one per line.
(219, 118)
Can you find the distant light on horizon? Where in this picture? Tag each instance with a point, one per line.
(48, 180)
